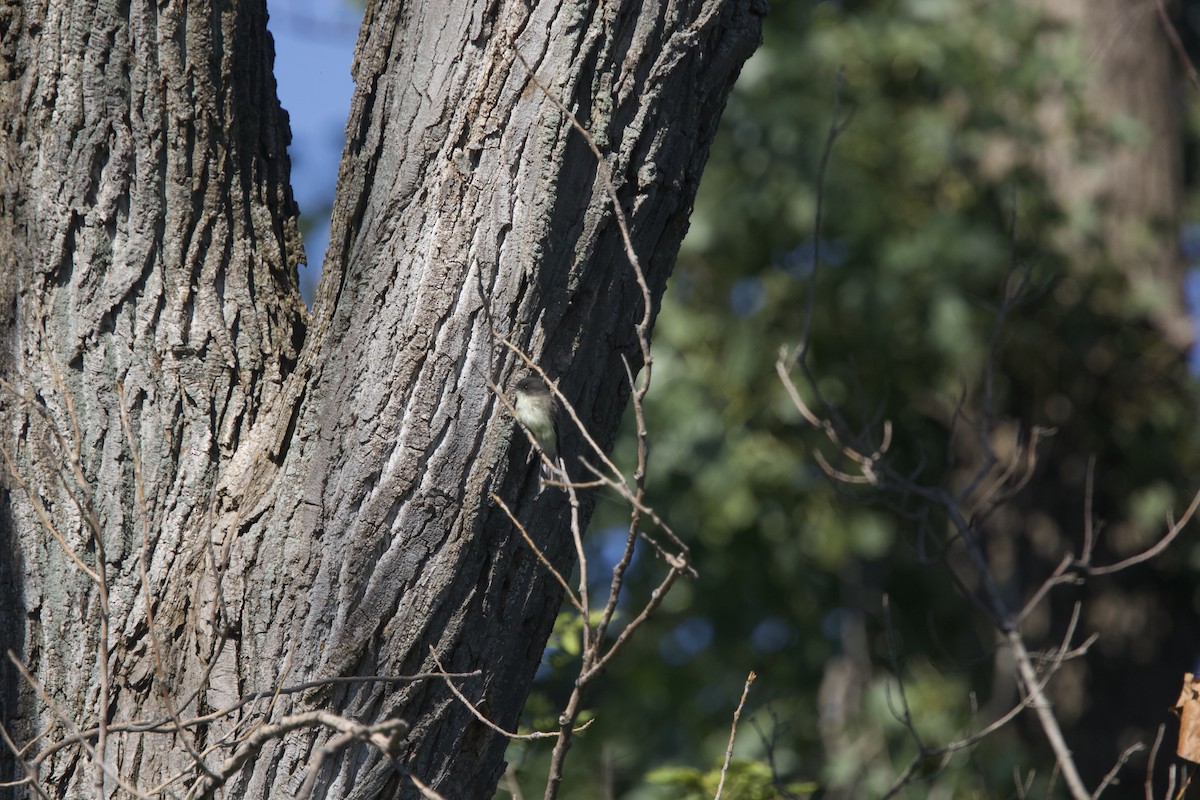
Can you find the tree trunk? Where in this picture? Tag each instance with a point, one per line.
(149, 253)
(1134, 180)
(309, 496)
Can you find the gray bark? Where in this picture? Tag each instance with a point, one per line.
(316, 487)
(149, 243)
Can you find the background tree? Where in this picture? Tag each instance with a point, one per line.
(211, 492)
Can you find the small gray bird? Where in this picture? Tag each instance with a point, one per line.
(537, 409)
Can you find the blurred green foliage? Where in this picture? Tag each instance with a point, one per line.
(744, 780)
(934, 204)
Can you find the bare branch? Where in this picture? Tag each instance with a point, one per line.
(1046, 718)
(733, 733)
(479, 715)
(656, 598)
(381, 735)
(30, 778)
(1149, 785)
(1111, 777)
(1161, 545)
(70, 723)
(426, 791)
(575, 601)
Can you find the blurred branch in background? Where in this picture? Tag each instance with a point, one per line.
(961, 550)
(1006, 461)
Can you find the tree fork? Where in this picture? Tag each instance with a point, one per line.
(310, 494)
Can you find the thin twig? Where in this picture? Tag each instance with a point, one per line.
(733, 733)
(562, 744)
(836, 128)
(589, 633)
(166, 726)
(1149, 785)
(44, 517)
(381, 735)
(31, 778)
(70, 723)
(1158, 547)
(480, 716)
(1111, 777)
(160, 675)
(1089, 533)
(904, 716)
(656, 598)
(575, 601)
(428, 792)
(1177, 43)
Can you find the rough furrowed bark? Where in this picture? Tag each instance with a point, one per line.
(332, 518)
(149, 252)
